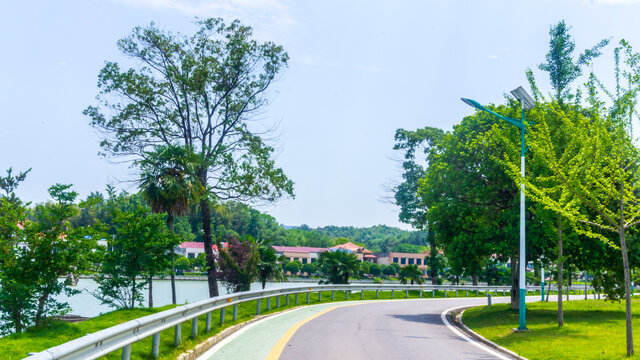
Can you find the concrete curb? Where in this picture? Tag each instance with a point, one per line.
(456, 317)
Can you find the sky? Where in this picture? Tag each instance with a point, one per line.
(358, 71)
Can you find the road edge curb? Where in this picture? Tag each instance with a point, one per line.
(456, 317)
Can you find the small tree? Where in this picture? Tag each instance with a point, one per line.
(238, 263)
(293, 268)
(141, 246)
(309, 268)
(389, 270)
(268, 267)
(375, 270)
(336, 267)
(411, 273)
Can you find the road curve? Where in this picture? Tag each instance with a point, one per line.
(407, 329)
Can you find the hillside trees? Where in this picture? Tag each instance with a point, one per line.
(197, 91)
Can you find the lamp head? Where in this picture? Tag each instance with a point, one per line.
(472, 103)
(525, 99)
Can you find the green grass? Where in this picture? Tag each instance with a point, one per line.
(594, 329)
(17, 346)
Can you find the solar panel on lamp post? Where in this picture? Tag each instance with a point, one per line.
(527, 103)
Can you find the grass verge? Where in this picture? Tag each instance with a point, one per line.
(17, 346)
(594, 329)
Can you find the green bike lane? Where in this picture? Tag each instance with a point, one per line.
(258, 340)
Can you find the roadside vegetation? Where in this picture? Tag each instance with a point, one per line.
(594, 329)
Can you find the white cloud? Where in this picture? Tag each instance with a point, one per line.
(368, 68)
(273, 18)
(492, 56)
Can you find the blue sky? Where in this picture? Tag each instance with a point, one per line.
(358, 71)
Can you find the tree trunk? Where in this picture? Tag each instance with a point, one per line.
(150, 290)
(515, 286)
(133, 293)
(41, 302)
(433, 253)
(627, 291)
(474, 278)
(560, 270)
(212, 274)
(173, 261)
(548, 288)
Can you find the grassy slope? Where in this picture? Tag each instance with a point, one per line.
(594, 329)
(17, 346)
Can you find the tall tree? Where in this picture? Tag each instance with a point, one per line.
(168, 184)
(599, 166)
(412, 209)
(199, 91)
(563, 69)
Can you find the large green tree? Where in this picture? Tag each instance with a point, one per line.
(197, 91)
(413, 210)
(336, 267)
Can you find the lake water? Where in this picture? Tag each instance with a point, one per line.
(187, 291)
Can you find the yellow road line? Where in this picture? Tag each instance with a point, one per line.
(276, 351)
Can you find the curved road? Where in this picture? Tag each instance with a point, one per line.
(410, 329)
(387, 329)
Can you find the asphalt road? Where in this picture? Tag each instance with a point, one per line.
(410, 329)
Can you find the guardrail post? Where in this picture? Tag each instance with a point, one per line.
(476, 292)
(377, 294)
(286, 302)
(308, 294)
(296, 299)
(467, 293)
(126, 352)
(421, 294)
(445, 292)
(488, 299)
(194, 327)
(503, 293)
(278, 301)
(456, 293)
(268, 303)
(361, 294)
(433, 293)
(222, 314)
(407, 294)
(155, 345)
(235, 312)
(177, 335)
(208, 322)
(346, 294)
(319, 296)
(333, 295)
(258, 307)
(392, 294)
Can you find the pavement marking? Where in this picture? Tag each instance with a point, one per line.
(443, 316)
(278, 348)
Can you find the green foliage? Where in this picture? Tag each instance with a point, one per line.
(411, 273)
(293, 267)
(183, 264)
(309, 268)
(36, 253)
(238, 264)
(141, 246)
(336, 267)
(375, 270)
(268, 268)
(389, 270)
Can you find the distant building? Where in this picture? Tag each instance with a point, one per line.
(303, 254)
(362, 253)
(192, 249)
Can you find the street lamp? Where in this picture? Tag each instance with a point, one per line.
(527, 103)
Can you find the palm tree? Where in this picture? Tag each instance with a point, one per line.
(168, 185)
(268, 267)
(411, 273)
(337, 266)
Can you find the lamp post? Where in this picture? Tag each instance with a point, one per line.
(542, 277)
(527, 103)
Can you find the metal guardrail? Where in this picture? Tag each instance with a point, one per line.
(121, 336)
